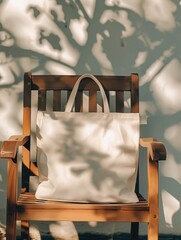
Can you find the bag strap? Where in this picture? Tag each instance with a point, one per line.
(71, 99)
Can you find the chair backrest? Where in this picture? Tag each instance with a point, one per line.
(55, 86)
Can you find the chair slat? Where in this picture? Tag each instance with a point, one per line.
(56, 100)
(27, 104)
(119, 101)
(42, 100)
(78, 102)
(92, 101)
(135, 93)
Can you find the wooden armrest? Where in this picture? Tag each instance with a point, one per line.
(9, 147)
(156, 149)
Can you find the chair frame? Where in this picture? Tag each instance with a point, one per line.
(25, 207)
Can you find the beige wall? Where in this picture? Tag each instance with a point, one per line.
(100, 37)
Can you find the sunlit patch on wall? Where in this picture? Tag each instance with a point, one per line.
(6, 75)
(100, 55)
(120, 20)
(124, 4)
(136, 6)
(79, 31)
(171, 169)
(89, 6)
(166, 88)
(156, 67)
(141, 58)
(58, 68)
(160, 14)
(5, 38)
(172, 134)
(10, 70)
(69, 55)
(10, 110)
(147, 108)
(170, 207)
(14, 16)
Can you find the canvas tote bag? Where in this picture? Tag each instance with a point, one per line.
(90, 157)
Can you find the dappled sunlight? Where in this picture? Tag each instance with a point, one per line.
(94, 162)
(6, 75)
(89, 7)
(166, 88)
(11, 113)
(57, 68)
(171, 168)
(63, 230)
(140, 59)
(24, 22)
(114, 37)
(160, 14)
(172, 134)
(170, 207)
(147, 108)
(101, 57)
(171, 193)
(156, 67)
(79, 31)
(69, 55)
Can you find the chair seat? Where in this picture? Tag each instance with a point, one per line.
(30, 208)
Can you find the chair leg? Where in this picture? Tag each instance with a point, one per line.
(25, 230)
(11, 226)
(134, 230)
(153, 230)
(11, 200)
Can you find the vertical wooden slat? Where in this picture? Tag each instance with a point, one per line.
(134, 93)
(56, 100)
(42, 100)
(27, 104)
(108, 99)
(92, 101)
(119, 101)
(135, 109)
(67, 98)
(26, 131)
(79, 102)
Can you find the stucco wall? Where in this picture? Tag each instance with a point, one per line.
(100, 37)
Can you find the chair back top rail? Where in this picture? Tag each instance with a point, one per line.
(66, 82)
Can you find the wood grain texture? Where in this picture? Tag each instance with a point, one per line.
(26, 207)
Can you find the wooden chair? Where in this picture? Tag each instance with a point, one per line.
(25, 207)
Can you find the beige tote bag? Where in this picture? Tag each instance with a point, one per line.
(90, 157)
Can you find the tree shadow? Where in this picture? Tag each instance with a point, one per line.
(107, 30)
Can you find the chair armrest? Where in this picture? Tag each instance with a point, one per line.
(10, 147)
(156, 149)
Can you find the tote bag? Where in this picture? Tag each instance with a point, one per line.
(90, 157)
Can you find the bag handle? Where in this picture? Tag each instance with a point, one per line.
(71, 99)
